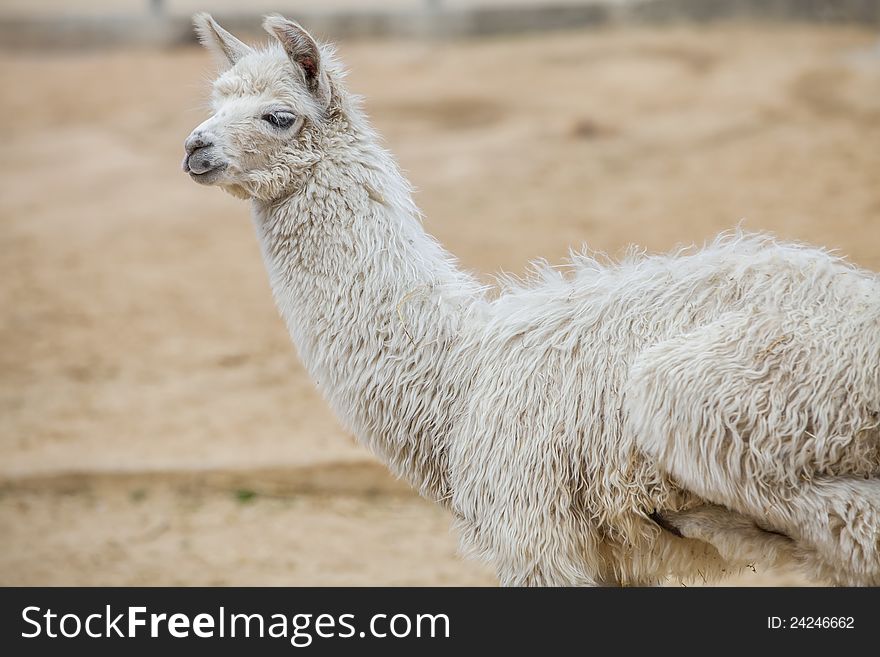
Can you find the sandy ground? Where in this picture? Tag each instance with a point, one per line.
(155, 424)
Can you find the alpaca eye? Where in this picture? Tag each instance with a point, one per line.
(279, 119)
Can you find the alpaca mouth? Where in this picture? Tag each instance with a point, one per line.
(207, 172)
(203, 175)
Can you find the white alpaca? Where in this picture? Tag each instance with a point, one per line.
(617, 424)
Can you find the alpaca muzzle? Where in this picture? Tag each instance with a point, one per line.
(202, 160)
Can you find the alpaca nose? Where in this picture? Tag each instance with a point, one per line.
(197, 141)
(202, 155)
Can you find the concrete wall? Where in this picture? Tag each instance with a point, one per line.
(23, 31)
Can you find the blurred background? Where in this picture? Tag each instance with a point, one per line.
(156, 426)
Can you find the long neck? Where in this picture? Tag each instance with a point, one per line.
(378, 310)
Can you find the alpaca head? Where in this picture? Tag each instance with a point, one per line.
(268, 106)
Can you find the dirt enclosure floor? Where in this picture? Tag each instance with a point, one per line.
(155, 424)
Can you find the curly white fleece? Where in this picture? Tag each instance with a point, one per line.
(731, 393)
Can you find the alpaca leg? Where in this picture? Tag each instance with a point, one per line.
(513, 565)
(834, 522)
(747, 422)
(737, 538)
(537, 579)
(834, 525)
(515, 570)
(839, 518)
(831, 528)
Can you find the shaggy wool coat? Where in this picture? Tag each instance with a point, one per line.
(600, 423)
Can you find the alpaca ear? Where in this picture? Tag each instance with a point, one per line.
(303, 52)
(226, 48)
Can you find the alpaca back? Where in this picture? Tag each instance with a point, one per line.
(545, 436)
